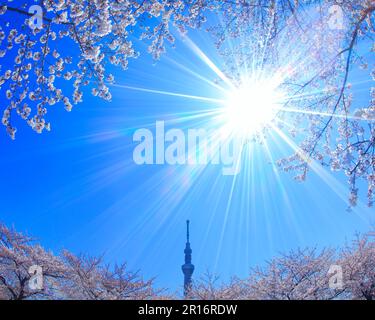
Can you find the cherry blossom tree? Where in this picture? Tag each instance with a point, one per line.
(299, 275)
(66, 276)
(358, 262)
(97, 33)
(208, 287)
(88, 279)
(18, 253)
(314, 44)
(342, 274)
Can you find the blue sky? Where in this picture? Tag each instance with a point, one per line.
(77, 187)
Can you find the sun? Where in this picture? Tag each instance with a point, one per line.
(252, 106)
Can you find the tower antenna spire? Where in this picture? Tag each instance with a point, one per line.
(188, 267)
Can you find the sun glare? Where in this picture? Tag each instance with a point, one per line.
(250, 107)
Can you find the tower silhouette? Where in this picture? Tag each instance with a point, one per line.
(188, 267)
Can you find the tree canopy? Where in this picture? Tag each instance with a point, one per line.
(303, 274)
(314, 44)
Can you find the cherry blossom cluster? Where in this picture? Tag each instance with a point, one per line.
(77, 42)
(301, 40)
(303, 274)
(314, 55)
(65, 276)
